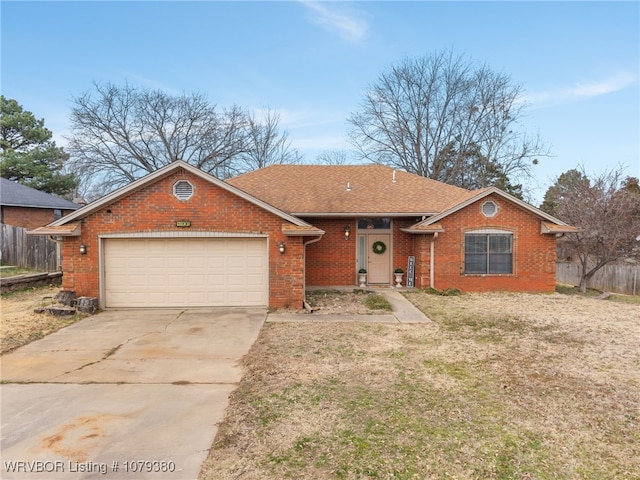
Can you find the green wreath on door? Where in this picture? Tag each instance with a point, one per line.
(379, 247)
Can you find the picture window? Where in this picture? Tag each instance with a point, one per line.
(486, 253)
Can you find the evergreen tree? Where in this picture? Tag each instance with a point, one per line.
(27, 153)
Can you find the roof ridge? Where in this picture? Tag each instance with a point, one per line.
(348, 189)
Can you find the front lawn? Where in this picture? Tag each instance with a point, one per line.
(20, 324)
(500, 386)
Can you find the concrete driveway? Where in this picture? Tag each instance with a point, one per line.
(122, 394)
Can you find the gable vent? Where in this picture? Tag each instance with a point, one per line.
(183, 190)
(489, 209)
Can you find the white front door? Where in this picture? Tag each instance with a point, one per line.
(379, 258)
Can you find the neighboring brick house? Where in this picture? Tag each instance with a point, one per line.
(27, 207)
(180, 237)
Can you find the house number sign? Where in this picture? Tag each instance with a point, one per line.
(183, 223)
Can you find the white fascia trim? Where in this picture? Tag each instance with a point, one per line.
(486, 193)
(363, 214)
(488, 231)
(158, 174)
(183, 235)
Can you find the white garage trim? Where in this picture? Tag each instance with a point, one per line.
(186, 234)
(190, 269)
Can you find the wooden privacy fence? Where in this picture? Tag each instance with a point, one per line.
(610, 278)
(28, 251)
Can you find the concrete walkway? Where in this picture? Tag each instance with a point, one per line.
(122, 394)
(134, 393)
(403, 312)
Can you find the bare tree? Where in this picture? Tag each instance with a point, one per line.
(122, 133)
(333, 157)
(442, 117)
(605, 209)
(266, 145)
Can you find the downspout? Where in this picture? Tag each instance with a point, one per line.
(432, 261)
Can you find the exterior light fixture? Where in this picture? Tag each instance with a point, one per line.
(281, 247)
(83, 249)
(347, 232)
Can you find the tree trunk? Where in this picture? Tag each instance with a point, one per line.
(583, 284)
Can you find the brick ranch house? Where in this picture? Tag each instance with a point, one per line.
(180, 237)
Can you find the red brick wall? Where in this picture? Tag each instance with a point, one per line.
(333, 261)
(29, 218)
(422, 251)
(534, 254)
(211, 209)
(403, 244)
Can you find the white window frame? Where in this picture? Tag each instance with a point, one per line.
(495, 209)
(488, 233)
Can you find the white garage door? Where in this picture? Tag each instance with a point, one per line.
(185, 272)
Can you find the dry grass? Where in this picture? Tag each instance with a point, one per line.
(19, 324)
(6, 271)
(352, 301)
(500, 386)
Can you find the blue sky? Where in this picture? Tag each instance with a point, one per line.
(578, 62)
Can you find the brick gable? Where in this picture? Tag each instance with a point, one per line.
(154, 209)
(534, 254)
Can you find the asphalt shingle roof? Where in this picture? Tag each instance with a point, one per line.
(17, 195)
(348, 189)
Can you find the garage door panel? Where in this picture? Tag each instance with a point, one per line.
(235, 296)
(120, 297)
(254, 297)
(236, 261)
(169, 272)
(157, 280)
(215, 262)
(154, 298)
(253, 261)
(195, 262)
(138, 281)
(177, 262)
(136, 297)
(215, 280)
(155, 262)
(118, 262)
(236, 279)
(255, 280)
(177, 281)
(216, 298)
